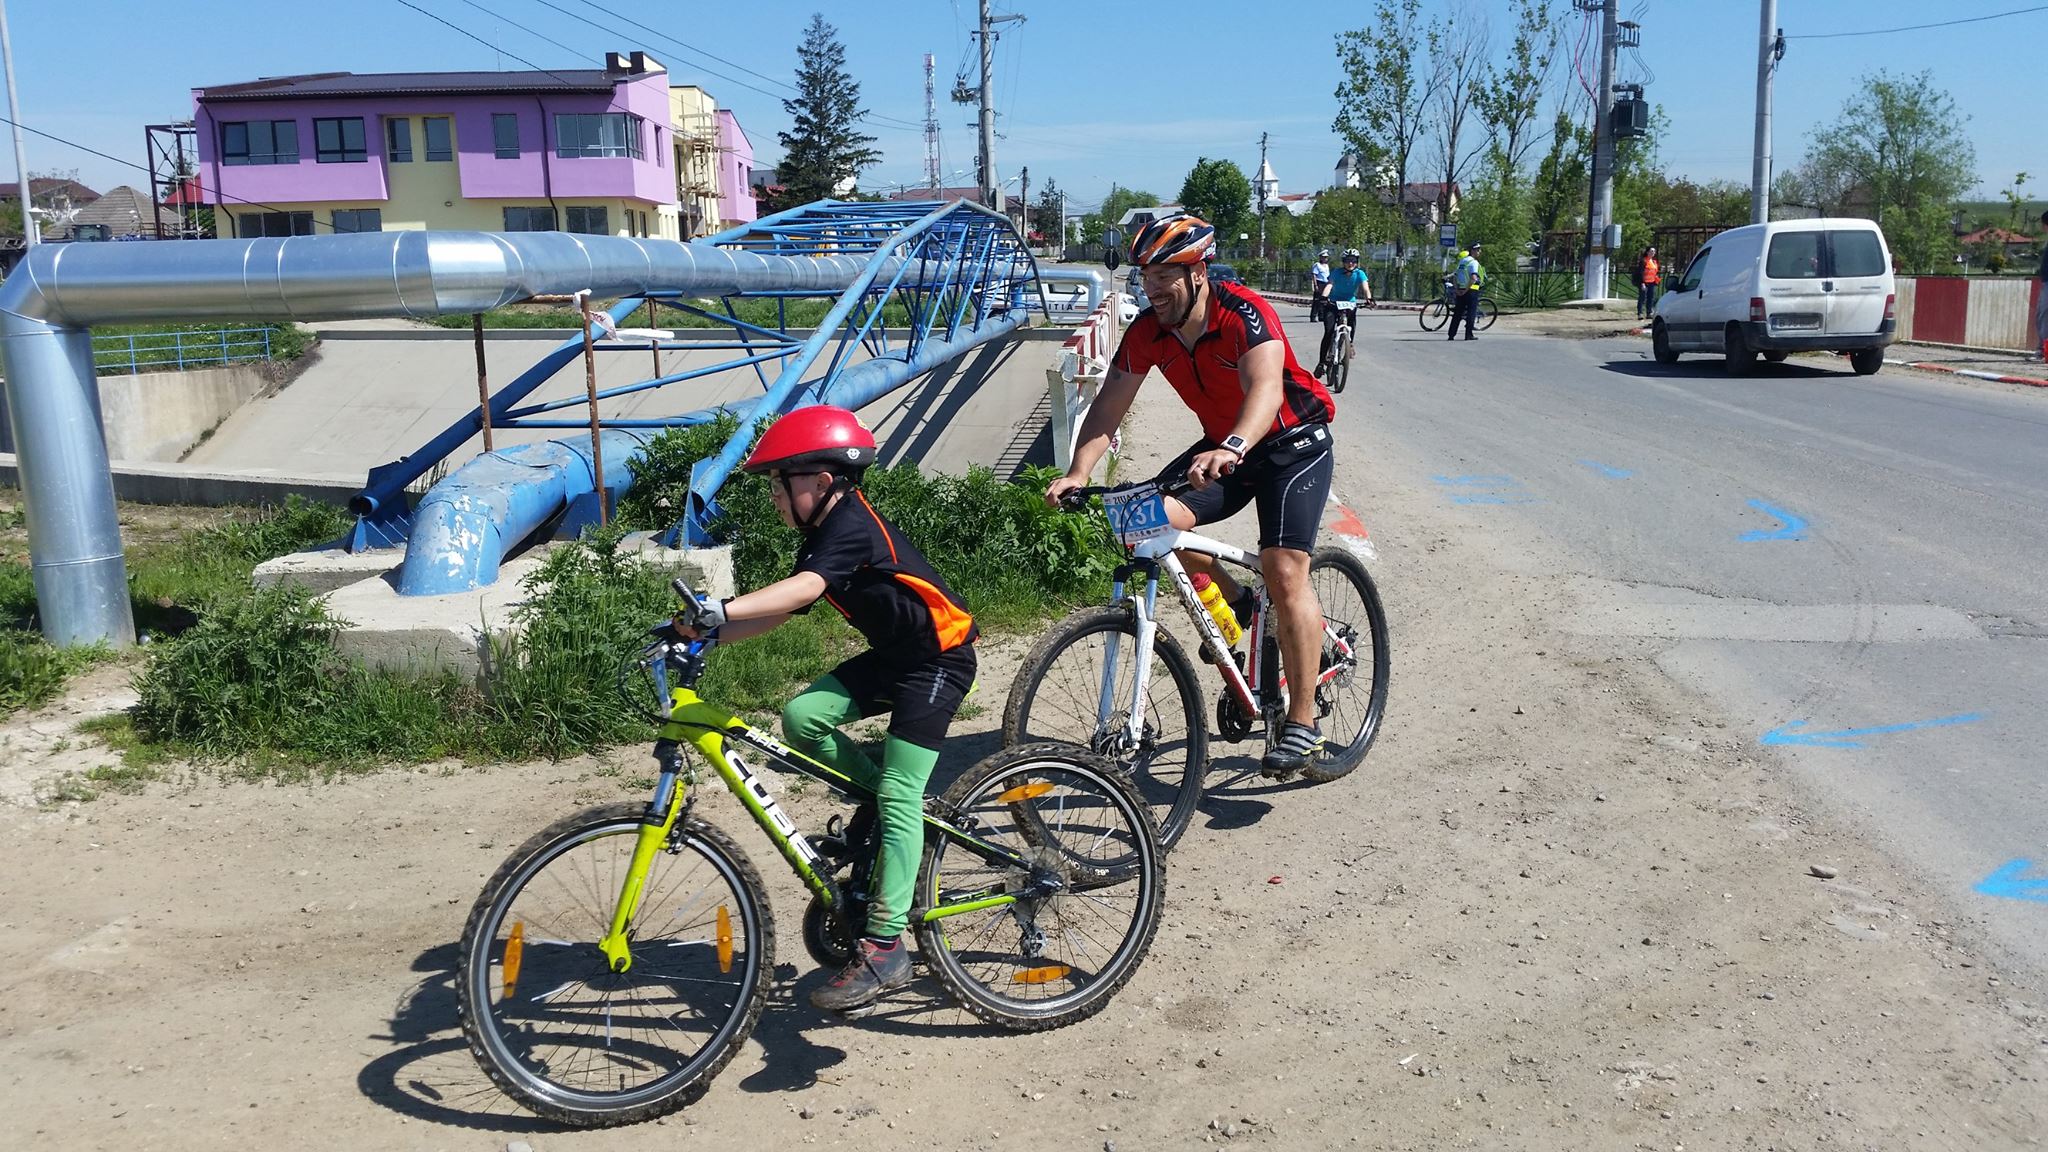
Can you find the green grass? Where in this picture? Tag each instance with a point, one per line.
(156, 344)
(32, 671)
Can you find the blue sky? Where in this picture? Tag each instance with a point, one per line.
(1083, 100)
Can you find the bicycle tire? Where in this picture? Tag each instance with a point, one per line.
(1337, 563)
(1488, 312)
(505, 1045)
(1340, 371)
(1033, 987)
(1175, 788)
(1433, 315)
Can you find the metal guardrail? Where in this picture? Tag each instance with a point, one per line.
(137, 352)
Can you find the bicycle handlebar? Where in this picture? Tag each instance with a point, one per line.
(1077, 499)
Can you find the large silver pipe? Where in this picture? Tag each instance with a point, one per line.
(59, 290)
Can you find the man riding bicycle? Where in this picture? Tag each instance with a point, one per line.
(1319, 276)
(1266, 439)
(1346, 286)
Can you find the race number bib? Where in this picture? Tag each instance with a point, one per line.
(1137, 515)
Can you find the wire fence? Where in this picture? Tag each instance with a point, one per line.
(129, 354)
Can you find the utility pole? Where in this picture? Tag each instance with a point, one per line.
(1770, 49)
(991, 188)
(1024, 195)
(931, 130)
(1063, 225)
(1598, 226)
(1262, 194)
(31, 232)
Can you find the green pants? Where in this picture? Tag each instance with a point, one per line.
(811, 725)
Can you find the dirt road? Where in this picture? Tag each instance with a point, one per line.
(1559, 907)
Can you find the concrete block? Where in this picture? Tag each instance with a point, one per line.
(429, 633)
(709, 570)
(328, 569)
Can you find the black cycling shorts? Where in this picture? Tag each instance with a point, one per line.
(1288, 474)
(920, 699)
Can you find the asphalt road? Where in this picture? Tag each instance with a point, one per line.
(1849, 568)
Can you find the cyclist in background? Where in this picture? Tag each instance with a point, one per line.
(1465, 284)
(1319, 275)
(1346, 284)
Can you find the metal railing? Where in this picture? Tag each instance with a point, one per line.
(137, 352)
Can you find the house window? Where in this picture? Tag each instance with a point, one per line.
(660, 153)
(398, 140)
(505, 133)
(339, 141)
(598, 134)
(358, 220)
(259, 142)
(530, 219)
(590, 221)
(440, 138)
(256, 224)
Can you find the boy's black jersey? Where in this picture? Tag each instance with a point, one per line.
(883, 585)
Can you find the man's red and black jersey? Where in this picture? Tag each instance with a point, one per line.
(883, 586)
(1206, 375)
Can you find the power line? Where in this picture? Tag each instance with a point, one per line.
(1918, 27)
(522, 27)
(486, 43)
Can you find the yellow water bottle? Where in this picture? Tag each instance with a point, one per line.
(1211, 597)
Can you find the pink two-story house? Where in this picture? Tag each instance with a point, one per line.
(577, 150)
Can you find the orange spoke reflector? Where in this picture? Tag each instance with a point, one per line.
(724, 939)
(1025, 792)
(1045, 975)
(515, 950)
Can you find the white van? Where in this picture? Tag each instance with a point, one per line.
(1784, 287)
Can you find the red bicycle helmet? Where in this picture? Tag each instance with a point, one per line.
(1176, 239)
(819, 438)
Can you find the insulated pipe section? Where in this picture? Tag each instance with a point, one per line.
(59, 290)
(465, 526)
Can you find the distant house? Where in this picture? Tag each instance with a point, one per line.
(123, 214)
(1426, 205)
(1136, 218)
(56, 201)
(574, 150)
(945, 195)
(2018, 248)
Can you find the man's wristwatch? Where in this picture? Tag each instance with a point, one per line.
(1235, 443)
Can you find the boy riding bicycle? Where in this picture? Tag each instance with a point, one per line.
(920, 664)
(1266, 438)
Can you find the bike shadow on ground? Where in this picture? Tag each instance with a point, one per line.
(1234, 794)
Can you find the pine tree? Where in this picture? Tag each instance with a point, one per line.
(823, 146)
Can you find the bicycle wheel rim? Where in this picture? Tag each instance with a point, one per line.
(1062, 702)
(1058, 958)
(560, 969)
(1488, 313)
(1356, 700)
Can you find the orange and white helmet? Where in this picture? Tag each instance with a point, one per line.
(1176, 239)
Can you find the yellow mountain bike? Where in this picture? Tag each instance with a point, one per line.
(618, 959)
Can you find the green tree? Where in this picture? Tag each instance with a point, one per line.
(1381, 100)
(2016, 199)
(1349, 218)
(1900, 142)
(1118, 202)
(1558, 195)
(823, 147)
(1217, 191)
(1045, 215)
(1511, 94)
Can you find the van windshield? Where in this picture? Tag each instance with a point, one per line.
(1857, 252)
(1794, 256)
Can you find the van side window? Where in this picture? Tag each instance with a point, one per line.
(1694, 271)
(1857, 252)
(1794, 256)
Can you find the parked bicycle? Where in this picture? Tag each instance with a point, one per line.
(1437, 311)
(618, 959)
(1113, 674)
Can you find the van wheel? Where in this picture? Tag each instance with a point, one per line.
(1660, 344)
(1867, 361)
(1776, 357)
(1741, 357)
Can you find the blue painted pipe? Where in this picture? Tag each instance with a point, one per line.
(465, 525)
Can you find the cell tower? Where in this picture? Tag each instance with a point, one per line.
(931, 130)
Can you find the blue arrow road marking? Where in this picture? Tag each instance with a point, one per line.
(1794, 529)
(1496, 500)
(2012, 883)
(1604, 470)
(1476, 481)
(1847, 737)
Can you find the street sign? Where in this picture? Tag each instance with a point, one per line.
(1447, 235)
